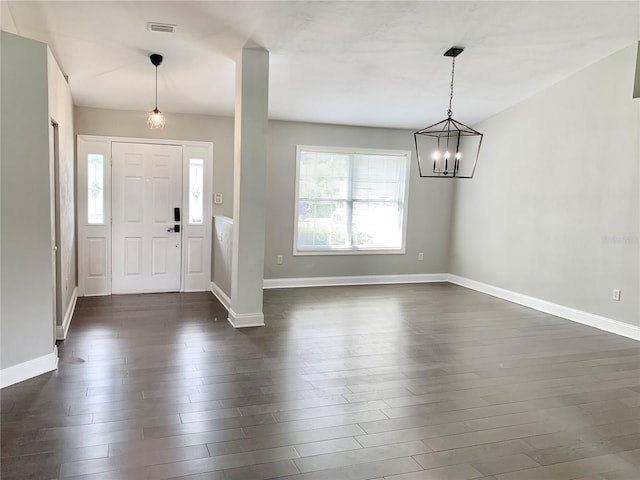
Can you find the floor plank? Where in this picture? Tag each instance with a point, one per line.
(424, 381)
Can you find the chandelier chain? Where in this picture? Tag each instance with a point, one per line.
(453, 69)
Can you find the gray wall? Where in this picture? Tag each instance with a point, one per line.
(428, 216)
(222, 247)
(553, 209)
(26, 285)
(429, 199)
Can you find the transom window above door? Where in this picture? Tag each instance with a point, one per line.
(350, 200)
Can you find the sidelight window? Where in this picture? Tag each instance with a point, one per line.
(95, 183)
(196, 188)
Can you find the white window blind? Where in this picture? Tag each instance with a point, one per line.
(350, 200)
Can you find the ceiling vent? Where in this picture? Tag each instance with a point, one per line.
(161, 27)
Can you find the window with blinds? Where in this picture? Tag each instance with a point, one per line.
(350, 200)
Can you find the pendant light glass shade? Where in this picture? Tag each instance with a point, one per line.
(156, 119)
(449, 148)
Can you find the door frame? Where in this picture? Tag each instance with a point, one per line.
(94, 240)
(54, 178)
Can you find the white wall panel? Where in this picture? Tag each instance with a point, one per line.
(97, 257)
(161, 206)
(195, 255)
(133, 256)
(133, 199)
(159, 255)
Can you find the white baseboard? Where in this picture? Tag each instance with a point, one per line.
(244, 320)
(29, 369)
(61, 330)
(221, 296)
(579, 316)
(354, 280)
(237, 320)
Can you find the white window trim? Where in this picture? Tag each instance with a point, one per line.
(352, 250)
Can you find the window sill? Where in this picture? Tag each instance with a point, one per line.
(337, 252)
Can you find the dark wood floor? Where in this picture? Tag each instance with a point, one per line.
(400, 382)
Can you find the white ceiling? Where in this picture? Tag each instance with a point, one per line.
(374, 63)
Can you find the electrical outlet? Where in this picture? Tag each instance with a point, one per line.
(279, 260)
(616, 294)
(420, 256)
(217, 198)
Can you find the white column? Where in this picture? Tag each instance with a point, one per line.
(249, 178)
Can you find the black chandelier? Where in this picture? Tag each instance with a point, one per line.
(449, 148)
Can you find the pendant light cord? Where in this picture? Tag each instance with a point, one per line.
(453, 69)
(157, 89)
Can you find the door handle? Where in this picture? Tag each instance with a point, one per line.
(175, 229)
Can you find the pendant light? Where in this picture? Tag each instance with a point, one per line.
(448, 149)
(156, 118)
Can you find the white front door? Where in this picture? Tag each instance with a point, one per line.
(146, 191)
